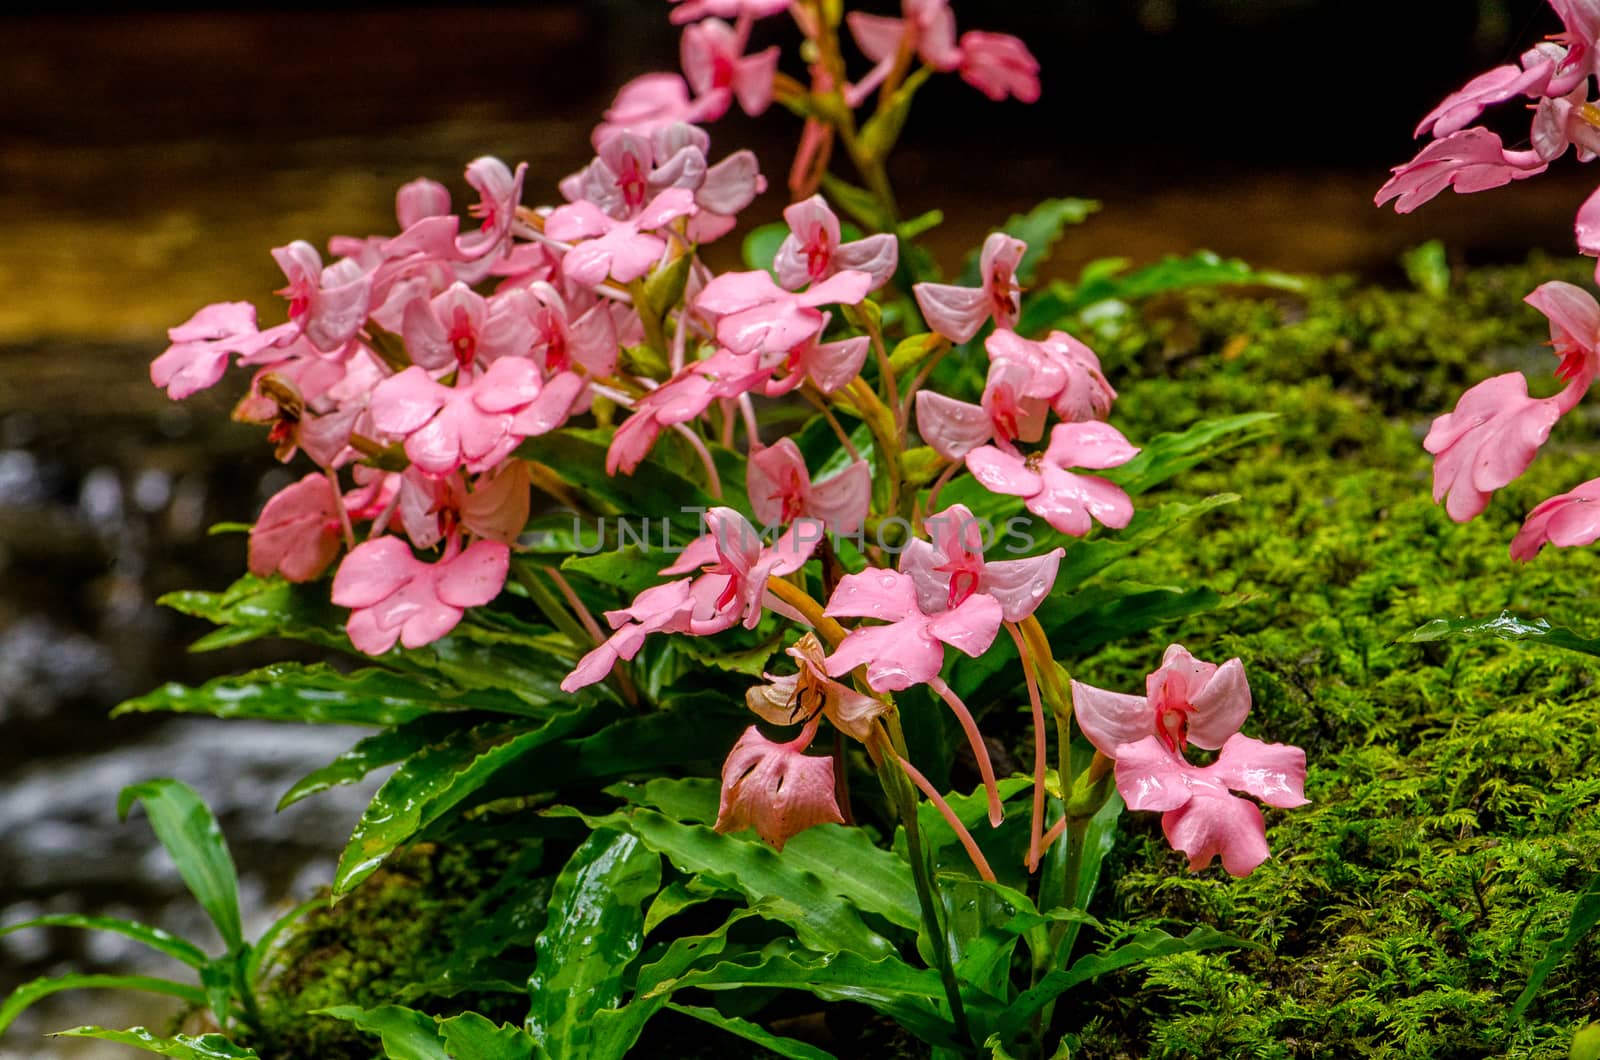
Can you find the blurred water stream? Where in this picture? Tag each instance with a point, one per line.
(148, 162)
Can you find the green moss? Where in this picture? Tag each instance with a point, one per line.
(1453, 788)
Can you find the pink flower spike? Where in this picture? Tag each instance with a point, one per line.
(754, 315)
(781, 490)
(499, 193)
(467, 426)
(394, 596)
(958, 312)
(1060, 369)
(460, 328)
(1565, 521)
(298, 532)
(329, 304)
(1069, 502)
(1468, 161)
(1487, 442)
(776, 788)
(999, 65)
(623, 250)
(812, 251)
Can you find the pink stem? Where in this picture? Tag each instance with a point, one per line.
(979, 862)
(714, 482)
(344, 513)
(1052, 835)
(752, 428)
(975, 740)
(943, 480)
(1036, 828)
(564, 587)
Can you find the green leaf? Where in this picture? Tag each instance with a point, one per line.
(750, 1032)
(471, 1036)
(664, 286)
(1506, 626)
(407, 1035)
(629, 570)
(925, 222)
(1040, 228)
(434, 781)
(850, 865)
(180, 1046)
(912, 997)
(1110, 279)
(1144, 946)
(857, 202)
(595, 930)
(910, 352)
(1428, 268)
(155, 938)
(29, 992)
(1586, 1043)
(1091, 557)
(266, 946)
(259, 607)
(1167, 455)
(807, 901)
(374, 752)
(316, 694)
(760, 247)
(185, 826)
(1585, 917)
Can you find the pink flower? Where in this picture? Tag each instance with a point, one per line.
(754, 315)
(1060, 369)
(1065, 500)
(1574, 326)
(999, 65)
(1587, 227)
(776, 788)
(1200, 814)
(432, 508)
(951, 569)
(719, 71)
(679, 400)
(928, 29)
(396, 597)
(499, 193)
(647, 103)
(812, 251)
(908, 649)
(1469, 160)
(475, 425)
(1007, 414)
(799, 696)
(1462, 108)
(604, 246)
(781, 490)
(1559, 123)
(329, 304)
(200, 347)
(1186, 701)
(958, 312)
(459, 327)
(1490, 439)
(690, 10)
(298, 532)
(829, 366)
(1564, 521)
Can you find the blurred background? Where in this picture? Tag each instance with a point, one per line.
(149, 159)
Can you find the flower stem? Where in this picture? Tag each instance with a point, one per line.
(1036, 825)
(975, 740)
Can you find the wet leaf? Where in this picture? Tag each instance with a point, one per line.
(29, 992)
(1585, 918)
(1506, 626)
(595, 930)
(1110, 279)
(1168, 455)
(155, 938)
(184, 825)
(470, 1036)
(179, 1046)
(374, 752)
(406, 1035)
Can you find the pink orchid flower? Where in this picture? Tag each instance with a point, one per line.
(812, 251)
(1488, 441)
(1461, 108)
(999, 65)
(1065, 500)
(394, 596)
(1061, 370)
(928, 28)
(329, 304)
(459, 327)
(496, 508)
(909, 648)
(604, 246)
(565, 339)
(690, 10)
(800, 696)
(828, 366)
(1574, 327)
(647, 103)
(499, 193)
(198, 356)
(1565, 521)
(1186, 701)
(1560, 123)
(299, 531)
(776, 788)
(719, 72)
(950, 570)
(1200, 815)
(680, 399)
(1006, 415)
(958, 312)
(1587, 228)
(754, 315)
(475, 425)
(781, 490)
(1469, 160)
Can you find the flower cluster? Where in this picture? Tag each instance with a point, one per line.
(1497, 427)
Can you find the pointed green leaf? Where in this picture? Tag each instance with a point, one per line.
(374, 752)
(155, 938)
(433, 782)
(184, 825)
(1088, 558)
(1167, 455)
(751, 1032)
(470, 1036)
(1585, 917)
(29, 992)
(595, 930)
(179, 1046)
(1110, 279)
(406, 1035)
(578, 455)
(1507, 626)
